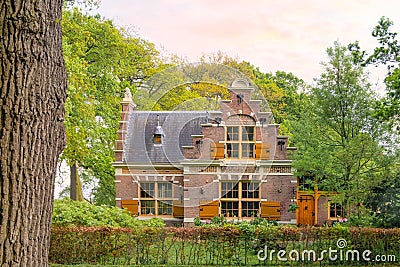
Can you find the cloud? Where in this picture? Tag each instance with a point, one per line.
(287, 35)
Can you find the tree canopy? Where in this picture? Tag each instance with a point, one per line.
(101, 61)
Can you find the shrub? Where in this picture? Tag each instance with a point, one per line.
(67, 212)
(212, 245)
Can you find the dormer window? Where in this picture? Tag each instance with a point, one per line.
(157, 139)
(158, 136)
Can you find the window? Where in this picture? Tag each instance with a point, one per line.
(335, 210)
(158, 135)
(250, 208)
(250, 190)
(240, 198)
(165, 207)
(247, 150)
(157, 139)
(233, 150)
(164, 190)
(230, 208)
(147, 207)
(156, 204)
(240, 141)
(232, 133)
(230, 189)
(248, 133)
(147, 190)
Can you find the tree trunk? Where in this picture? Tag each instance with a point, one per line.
(33, 91)
(75, 183)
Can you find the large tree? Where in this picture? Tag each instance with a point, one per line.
(338, 137)
(33, 90)
(384, 198)
(101, 61)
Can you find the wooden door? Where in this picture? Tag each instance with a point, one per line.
(306, 215)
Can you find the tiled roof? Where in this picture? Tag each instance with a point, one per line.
(178, 126)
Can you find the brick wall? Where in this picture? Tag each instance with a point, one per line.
(279, 188)
(322, 210)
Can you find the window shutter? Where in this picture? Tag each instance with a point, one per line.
(177, 209)
(217, 150)
(209, 209)
(271, 210)
(131, 206)
(262, 151)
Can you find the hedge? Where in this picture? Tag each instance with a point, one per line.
(216, 245)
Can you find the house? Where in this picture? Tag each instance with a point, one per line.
(179, 165)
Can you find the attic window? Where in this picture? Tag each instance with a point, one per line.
(157, 139)
(158, 135)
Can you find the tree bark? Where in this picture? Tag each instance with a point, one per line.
(75, 183)
(33, 91)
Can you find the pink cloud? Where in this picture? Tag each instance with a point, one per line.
(287, 35)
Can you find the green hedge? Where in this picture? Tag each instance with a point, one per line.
(213, 245)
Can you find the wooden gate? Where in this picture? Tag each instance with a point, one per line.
(306, 211)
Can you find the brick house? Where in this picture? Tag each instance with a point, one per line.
(179, 165)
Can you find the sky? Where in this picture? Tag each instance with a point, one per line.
(287, 35)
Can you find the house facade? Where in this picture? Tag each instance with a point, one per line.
(180, 165)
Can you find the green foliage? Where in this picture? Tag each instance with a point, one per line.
(101, 61)
(384, 199)
(387, 53)
(293, 207)
(218, 220)
(81, 213)
(197, 222)
(338, 138)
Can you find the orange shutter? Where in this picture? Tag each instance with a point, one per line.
(217, 150)
(262, 151)
(209, 209)
(271, 210)
(131, 206)
(177, 209)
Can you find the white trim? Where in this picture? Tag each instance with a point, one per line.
(188, 220)
(117, 181)
(118, 198)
